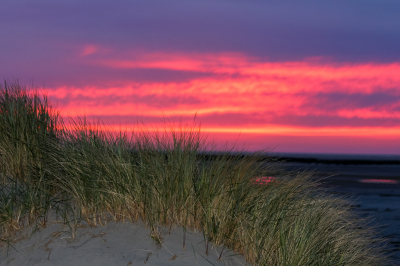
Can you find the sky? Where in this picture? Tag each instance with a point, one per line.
(287, 76)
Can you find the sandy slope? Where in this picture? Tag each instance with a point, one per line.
(114, 244)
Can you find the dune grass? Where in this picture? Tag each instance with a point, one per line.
(83, 172)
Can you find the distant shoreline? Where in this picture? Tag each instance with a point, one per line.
(314, 158)
(338, 161)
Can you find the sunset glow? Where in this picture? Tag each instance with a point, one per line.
(267, 77)
(263, 180)
(381, 181)
(284, 98)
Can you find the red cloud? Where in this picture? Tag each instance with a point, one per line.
(237, 84)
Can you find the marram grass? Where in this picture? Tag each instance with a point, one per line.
(83, 172)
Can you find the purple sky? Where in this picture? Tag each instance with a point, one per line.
(147, 47)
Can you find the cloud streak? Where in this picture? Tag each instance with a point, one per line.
(240, 95)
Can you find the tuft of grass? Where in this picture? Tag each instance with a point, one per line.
(83, 172)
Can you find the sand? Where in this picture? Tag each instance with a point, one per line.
(113, 244)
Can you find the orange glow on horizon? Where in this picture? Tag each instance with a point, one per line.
(268, 130)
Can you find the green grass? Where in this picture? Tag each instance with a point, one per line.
(84, 172)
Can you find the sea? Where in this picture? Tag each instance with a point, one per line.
(372, 182)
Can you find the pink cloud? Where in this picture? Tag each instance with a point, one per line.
(242, 85)
(89, 49)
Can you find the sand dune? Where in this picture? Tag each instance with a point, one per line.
(113, 244)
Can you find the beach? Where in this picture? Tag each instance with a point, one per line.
(132, 243)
